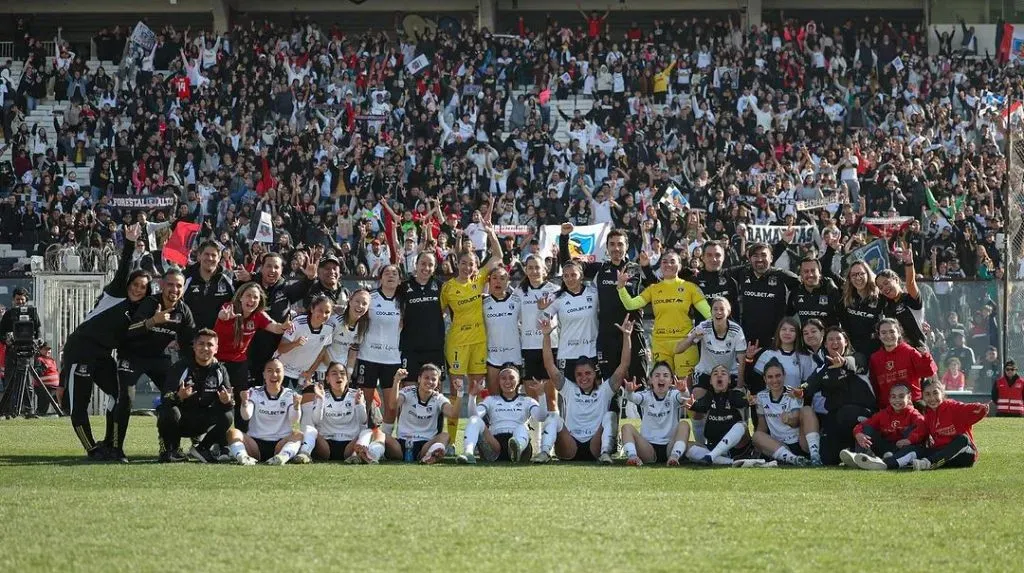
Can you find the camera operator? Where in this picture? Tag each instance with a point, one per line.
(196, 402)
(46, 366)
(19, 329)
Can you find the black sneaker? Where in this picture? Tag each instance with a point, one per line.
(202, 455)
(172, 457)
(117, 455)
(97, 454)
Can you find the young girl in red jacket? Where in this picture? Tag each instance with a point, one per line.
(947, 425)
(884, 440)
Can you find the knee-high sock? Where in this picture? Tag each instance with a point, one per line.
(473, 430)
(784, 455)
(678, 449)
(453, 429)
(629, 448)
(289, 450)
(522, 436)
(607, 432)
(388, 428)
(237, 450)
(552, 425)
(365, 437)
(729, 441)
(698, 430)
(309, 434)
(697, 453)
(814, 445)
(109, 434)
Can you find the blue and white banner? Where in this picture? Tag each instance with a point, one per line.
(875, 254)
(586, 243)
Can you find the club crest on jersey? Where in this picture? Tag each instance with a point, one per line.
(82, 370)
(822, 300)
(890, 365)
(772, 281)
(250, 325)
(721, 281)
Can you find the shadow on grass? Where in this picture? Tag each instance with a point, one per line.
(39, 460)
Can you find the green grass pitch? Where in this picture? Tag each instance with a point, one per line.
(57, 514)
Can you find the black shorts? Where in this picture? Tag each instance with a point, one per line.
(371, 374)
(703, 381)
(130, 369)
(413, 361)
(337, 448)
(609, 354)
(533, 364)
(294, 383)
(417, 447)
(797, 449)
(266, 447)
(583, 453)
(661, 452)
(238, 375)
(503, 454)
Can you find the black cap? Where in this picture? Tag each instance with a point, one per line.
(328, 260)
(1009, 363)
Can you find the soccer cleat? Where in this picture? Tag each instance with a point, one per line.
(201, 456)
(117, 455)
(801, 462)
(754, 463)
(721, 461)
(485, 450)
(770, 464)
(466, 459)
(278, 460)
(353, 459)
(301, 458)
(634, 461)
(172, 457)
(816, 461)
(708, 460)
(246, 460)
(515, 453)
(221, 454)
(866, 462)
(97, 454)
(434, 457)
(922, 464)
(541, 458)
(449, 451)
(846, 457)
(605, 459)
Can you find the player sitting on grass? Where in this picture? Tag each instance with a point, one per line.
(662, 407)
(506, 435)
(724, 428)
(884, 440)
(420, 409)
(778, 431)
(947, 424)
(271, 410)
(586, 432)
(334, 422)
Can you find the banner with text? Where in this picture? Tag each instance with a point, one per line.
(142, 201)
(772, 234)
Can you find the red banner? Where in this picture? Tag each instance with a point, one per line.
(178, 245)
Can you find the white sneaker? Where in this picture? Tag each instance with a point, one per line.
(466, 459)
(515, 451)
(846, 457)
(301, 458)
(769, 464)
(866, 462)
(541, 458)
(721, 461)
(922, 464)
(353, 459)
(605, 459)
(754, 463)
(278, 460)
(246, 460)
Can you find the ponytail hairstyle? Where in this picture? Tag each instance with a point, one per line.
(525, 285)
(569, 265)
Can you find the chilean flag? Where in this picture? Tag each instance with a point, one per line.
(1011, 44)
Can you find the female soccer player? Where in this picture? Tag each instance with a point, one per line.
(671, 299)
(534, 288)
(883, 440)
(721, 342)
(501, 319)
(778, 431)
(462, 296)
(661, 405)
(896, 361)
(423, 328)
(586, 431)
(902, 300)
(349, 330)
(334, 423)
(862, 308)
(726, 431)
(379, 354)
(271, 410)
(236, 325)
(420, 409)
(788, 351)
(505, 434)
(947, 426)
(303, 346)
(575, 307)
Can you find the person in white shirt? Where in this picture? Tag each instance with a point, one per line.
(304, 346)
(778, 433)
(662, 406)
(505, 435)
(586, 428)
(421, 408)
(349, 328)
(334, 422)
(271, 410)
(501, 319)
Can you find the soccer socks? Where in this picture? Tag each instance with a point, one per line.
(729, 441)
(237, 450)
(474, 428)
(552, 425)
(453, 429)
(784, 455)
(814, 445)
(433, 448)
(630, 449)
(607, 432)
(696, 453)
(289, 450)
(901, 462)
(375, 450)
(678, 449)
(388, 428)
(698, 429)
(309, 434)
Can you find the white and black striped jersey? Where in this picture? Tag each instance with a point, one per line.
(799, 366)
(530, 335)
(501, 319)
(380, 344)
(505, 416)
(584, 411)
(577, 323)
(660, 415)
(344, 337)
(301, 358)
(272, 416)
(773, 410)
(338, 418)
(419, 420)
(715, 350)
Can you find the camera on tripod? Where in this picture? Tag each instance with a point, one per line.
(23, 342)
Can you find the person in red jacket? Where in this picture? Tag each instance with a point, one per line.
(898, 362)
(1008, 392)
(887, 434)
(947, 425)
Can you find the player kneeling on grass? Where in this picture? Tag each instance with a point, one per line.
(884, 439)
(334, 422)
(420, 409)
(196, 402)
(586, 432)
(271, 410)
(661, 406)
(505, 436)
(779, 433)
(724, 427)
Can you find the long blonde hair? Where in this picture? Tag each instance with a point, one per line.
(236, 303)
(850, 294)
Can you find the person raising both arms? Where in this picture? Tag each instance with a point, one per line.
(462, 296)
(661, 438)
(505, 435)
(583, 433)
(420, 410)
(671, 300)
(271, 410)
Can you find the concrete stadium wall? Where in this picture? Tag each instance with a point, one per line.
(986, 34)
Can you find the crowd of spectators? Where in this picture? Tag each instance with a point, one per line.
(333, 135)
